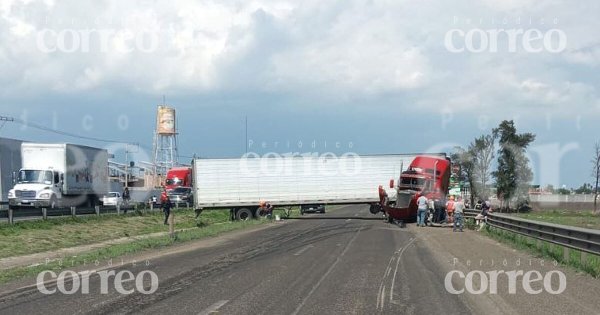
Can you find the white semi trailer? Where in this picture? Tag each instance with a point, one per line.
(242, 184)
(58, 175)
(10, 163)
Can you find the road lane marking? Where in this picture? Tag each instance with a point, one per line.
(382, 297)
(298, 253)
(316, 286)
(213, 308)
(396, 269)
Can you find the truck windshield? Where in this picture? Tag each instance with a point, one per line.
(34, 176)
(173, 181)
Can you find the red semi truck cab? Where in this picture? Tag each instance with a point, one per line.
(420, 180)
(427, 176)
(178, 177)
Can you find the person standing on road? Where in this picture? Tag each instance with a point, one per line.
(166, 205)
(126, 195)
(421, 210)
(450, 209)
(459, 208)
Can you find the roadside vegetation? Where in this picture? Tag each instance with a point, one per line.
(584, 219)
(578, 260)
(28, 237)
(135, 246)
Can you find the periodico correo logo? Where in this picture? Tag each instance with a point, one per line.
(511, 35)
(71, 282)
(486, 282)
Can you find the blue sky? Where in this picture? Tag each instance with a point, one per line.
(375, 76)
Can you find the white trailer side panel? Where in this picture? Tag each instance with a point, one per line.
(294, 180)
(87, 170)
(10, 162)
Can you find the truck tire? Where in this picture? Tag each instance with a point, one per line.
(243, 214)
(260, 214)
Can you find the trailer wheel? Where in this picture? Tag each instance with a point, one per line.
(260, 214)
(243, 214)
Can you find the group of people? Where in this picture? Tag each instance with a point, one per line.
(452, 212)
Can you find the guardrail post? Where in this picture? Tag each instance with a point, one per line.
(97, 208)
(73, 211)
(45, 213)
(118, 209)
(172, 224)
(566, 254)
(10, 216)
(187, 204)
(583, 259)
(151, 206)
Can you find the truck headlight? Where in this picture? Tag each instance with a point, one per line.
(45, 195)
(11, 194)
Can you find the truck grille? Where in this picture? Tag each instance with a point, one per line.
(25, 193)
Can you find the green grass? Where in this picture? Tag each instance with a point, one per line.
(136, 246)
(27, 237)
(584, 219)
(589, 264)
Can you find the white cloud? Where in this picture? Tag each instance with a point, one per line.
(349, 49)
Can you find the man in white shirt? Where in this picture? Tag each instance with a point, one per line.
(421, 210)
(459, 208)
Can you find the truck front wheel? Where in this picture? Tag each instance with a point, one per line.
(243, 214)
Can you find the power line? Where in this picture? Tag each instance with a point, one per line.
(60, 132)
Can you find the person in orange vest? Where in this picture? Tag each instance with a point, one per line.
(450, 209)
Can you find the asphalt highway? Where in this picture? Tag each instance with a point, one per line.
(344, 262)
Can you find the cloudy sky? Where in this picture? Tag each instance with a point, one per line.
(341, 76)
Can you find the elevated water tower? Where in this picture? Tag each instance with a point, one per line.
(165, 140)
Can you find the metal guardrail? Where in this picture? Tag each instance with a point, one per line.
(44, 213)
(585, 240)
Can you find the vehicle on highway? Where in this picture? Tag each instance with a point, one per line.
(312, 208)
(427, 176)
(113, 198)
(59, 175)
(241, 184)
(178, 177)
(181, 195)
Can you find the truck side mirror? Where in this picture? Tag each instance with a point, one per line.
(14, 178)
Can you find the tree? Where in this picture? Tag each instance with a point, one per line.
(482, 153)
(464, 159)
(564, 191)
(513, 174)
(596, 174)
(586, 188)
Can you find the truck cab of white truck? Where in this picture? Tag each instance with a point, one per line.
(37, 188)
(58, 175)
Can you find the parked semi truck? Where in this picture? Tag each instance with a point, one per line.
(60, 175)
(427, 175)
(10, 163)
(178, 177)
(242, 184)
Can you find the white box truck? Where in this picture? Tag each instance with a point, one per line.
(10, 163)
(60, 175)
(242, 184)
